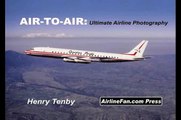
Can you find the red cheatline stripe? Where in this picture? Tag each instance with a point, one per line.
(131, 54)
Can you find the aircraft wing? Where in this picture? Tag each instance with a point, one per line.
(77, 59)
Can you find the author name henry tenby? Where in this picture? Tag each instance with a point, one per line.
(46, 102)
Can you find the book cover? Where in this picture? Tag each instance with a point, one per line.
(90, 60)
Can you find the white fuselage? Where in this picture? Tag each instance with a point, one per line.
(70, 53)
(82, 56)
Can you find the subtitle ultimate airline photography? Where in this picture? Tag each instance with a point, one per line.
(90, 60)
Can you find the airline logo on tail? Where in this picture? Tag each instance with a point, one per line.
(77, 56)
(139, 49)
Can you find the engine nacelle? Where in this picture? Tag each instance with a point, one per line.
(76, 60)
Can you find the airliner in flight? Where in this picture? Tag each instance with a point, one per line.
(84, 56)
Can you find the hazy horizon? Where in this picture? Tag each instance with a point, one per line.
(156, 46)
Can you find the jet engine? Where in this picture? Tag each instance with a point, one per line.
(76, 60)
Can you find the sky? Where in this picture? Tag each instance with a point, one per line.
(100, 10)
